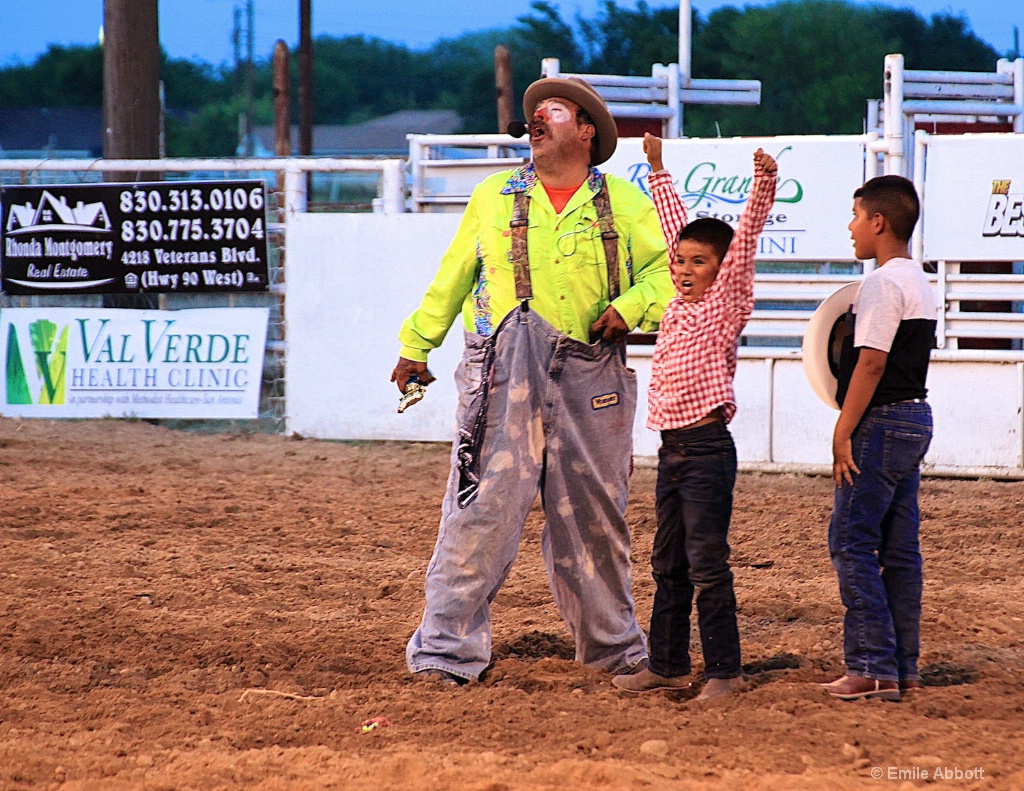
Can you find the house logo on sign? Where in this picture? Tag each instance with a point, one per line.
(1005, 213)
(54, 214)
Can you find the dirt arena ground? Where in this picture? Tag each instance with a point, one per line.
(187, 611)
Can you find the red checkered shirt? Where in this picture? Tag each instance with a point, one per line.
(695, 355)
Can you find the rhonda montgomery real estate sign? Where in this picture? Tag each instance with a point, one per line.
(84, 363)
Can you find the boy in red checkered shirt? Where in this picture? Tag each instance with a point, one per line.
(691, 400)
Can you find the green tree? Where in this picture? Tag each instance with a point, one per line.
(190, 84)
(356, 78)
(212, 131)
(945, 43)
(60, 77)
(818, 62)
(621, 41)
(462, 74)
(204, 106)
(543, 34)
(464, 66)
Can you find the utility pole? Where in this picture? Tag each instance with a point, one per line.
(236, 43)
(249, 79)
(131, 101)
(244, 73)
(131, 82)
(305, 78)
(282, 116)
(503, 87)
(282, 101)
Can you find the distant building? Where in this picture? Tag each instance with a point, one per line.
(51, 133)
(56, 132)
(77, 133)
(384, 136)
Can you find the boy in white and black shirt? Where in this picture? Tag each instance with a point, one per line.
(894, 311)
(883, 433)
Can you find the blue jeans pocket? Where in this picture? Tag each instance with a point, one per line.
(904, 449)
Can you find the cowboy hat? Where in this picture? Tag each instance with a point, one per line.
(820, 350)
(579, 92)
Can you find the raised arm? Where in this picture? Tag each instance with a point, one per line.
(736, 278)
(671, 211)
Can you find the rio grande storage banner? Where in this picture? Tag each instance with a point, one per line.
(152, 237)
(814, 194)
(974, 198)
(82, 362)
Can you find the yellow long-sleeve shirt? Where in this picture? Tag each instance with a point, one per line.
(567, 263)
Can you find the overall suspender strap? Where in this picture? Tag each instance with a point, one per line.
(520, 255)
(610, 239)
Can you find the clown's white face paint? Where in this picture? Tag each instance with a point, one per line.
(553, 111)
(555, 134)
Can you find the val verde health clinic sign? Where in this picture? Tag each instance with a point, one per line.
(85, 363)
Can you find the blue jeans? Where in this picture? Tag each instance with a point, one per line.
(696, 476)
(874, 546)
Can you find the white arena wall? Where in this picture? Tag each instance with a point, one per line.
(361, 274)
(349, 280)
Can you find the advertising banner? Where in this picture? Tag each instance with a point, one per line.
(88, 362)
(156, 237)
(974, 198)
(814, 194)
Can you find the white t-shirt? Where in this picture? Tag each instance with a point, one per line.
(894, 312)
(894, 292)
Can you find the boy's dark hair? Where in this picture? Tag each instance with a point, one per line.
(709, 231)
(895, 198)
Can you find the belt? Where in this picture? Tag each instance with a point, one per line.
(909, 401)
(704, 421)
(714, 416)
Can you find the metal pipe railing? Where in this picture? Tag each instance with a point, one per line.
(959, 77)
(391, 171)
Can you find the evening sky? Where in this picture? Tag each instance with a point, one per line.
(201, 29)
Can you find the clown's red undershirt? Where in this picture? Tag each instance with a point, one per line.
(560, 197)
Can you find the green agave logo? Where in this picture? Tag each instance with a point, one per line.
(49, 353)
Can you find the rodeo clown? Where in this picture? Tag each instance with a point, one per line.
(551, 267)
